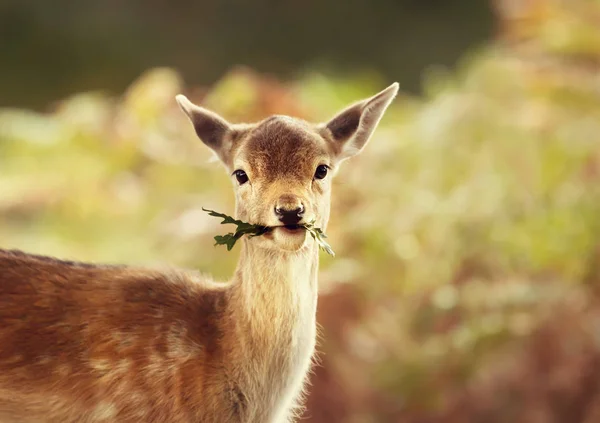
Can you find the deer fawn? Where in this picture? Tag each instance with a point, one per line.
(94, 343)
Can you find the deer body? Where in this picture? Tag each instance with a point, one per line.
(120, 344)
(91, 343)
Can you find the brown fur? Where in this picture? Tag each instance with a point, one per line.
(91, 334)
(95, 343)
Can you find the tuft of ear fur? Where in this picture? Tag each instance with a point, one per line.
(211, 128)
(352, 127)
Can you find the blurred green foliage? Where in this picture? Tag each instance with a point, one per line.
(467, 234)
(49, 52)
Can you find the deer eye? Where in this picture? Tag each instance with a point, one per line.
(321, 172)
(241, 176)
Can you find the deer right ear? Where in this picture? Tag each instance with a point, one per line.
(209, 126)
(353, 126)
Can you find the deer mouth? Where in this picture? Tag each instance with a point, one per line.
(292, 228)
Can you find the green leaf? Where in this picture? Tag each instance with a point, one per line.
(244, 228)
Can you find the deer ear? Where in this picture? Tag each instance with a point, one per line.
(211, 128)
(353, 126)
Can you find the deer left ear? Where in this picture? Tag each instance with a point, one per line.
(211, 128)
(353, 126)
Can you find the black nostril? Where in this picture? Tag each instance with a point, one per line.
(289, 217)
(298, 211)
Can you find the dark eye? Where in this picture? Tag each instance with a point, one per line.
(241, 176)
(321, 172)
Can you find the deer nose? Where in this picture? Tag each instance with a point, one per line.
(289, 210)
(289, 217)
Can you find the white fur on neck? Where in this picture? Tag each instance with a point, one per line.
(279, 298)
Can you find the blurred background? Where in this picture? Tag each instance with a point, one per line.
(467, 278)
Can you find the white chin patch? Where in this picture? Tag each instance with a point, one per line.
(290, 240)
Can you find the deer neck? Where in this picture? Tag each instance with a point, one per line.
(276, 291)
(274, 300)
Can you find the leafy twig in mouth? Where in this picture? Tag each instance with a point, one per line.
(251, 230)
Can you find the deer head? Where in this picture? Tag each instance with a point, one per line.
(281, 167)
